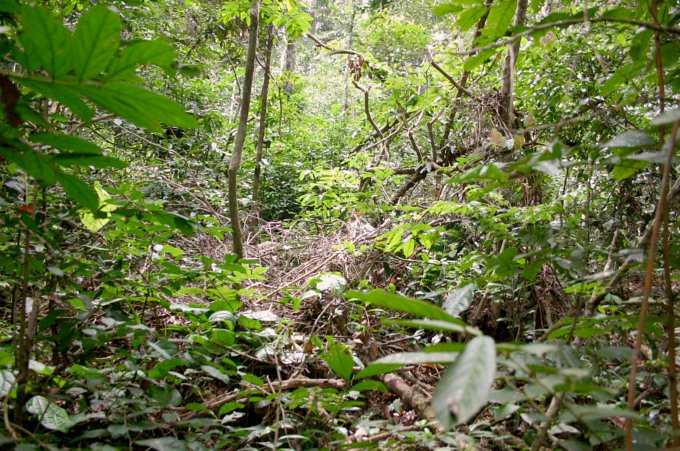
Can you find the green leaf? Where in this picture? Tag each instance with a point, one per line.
(459, 299)
(138, 105)
(470, 17)
(95, 41)
(375, 369)
(78, 191)
(50, 415)
(10, 6)
(216, 373)
(631, 138)
(163, 444)
(416, 358)
(158, 53)
(34, 163)
(500, 19)
(46, 42)
(339, 360)
(444, 9)
(438, 325)
(7, 381)
(164, 367)
(409, 247)
(369, 385)
(453, 6)
(94, 222)
(478, 59)
(65, 143)
(667, 117)
(624, 171)
(403, 304)
(465, 387)
(65, 95)
(165, 396)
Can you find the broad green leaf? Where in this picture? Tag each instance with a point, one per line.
(164, 367)
(34, 163)
(138, 105)
(587, 413)
(158, 53)
(658, 157)
(622, 75)
(66, 143)
(7, 381)
(631, 138)
(470, 17)
(46, 42)
(369, 385)
(252, 379)
(163, 444)
(95, 41)
(445, 8)
(78, 191)
(10, 6)
(165, 396)
(50, 415)
(90, 221)
(438, 325)
(403, 304)
(640, 44)
(667, 117)
(459, 299)
(478, 59)
(416, 358)
(65, 95)
(465, 387)
(216, 373)
(622, 172)
(339, 360)
(503, 264)
(500, 18)
(409, 247)
(377, 369)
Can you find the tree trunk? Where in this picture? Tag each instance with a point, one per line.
(263, 122)
(350, 43)
(240, 140)
(290, 65)
(507, 106)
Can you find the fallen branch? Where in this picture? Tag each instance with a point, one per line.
(406, 392)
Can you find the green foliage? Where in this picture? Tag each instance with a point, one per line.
(507, 250)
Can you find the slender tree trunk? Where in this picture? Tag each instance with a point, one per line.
(263, 122)
(350, 43)
(507, 106)
(240, 140)
(290, 65)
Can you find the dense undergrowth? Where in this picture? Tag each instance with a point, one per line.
(449, 247)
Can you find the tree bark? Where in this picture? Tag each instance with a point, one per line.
(507, 106)
(263, 122)
(240, 140)
(290, 66)
(350, 43)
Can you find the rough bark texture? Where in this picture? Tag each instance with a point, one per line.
(263, 120)
(240, 140)
(507, 109)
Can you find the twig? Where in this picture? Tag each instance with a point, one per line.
(458, 86)
(567, 23)
(271, 387)
(651, 254)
